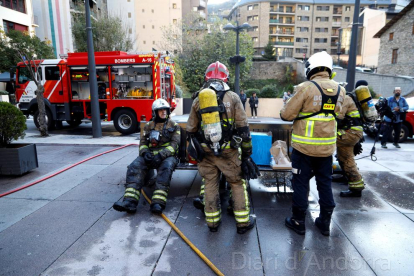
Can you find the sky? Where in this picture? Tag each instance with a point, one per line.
(216, 1)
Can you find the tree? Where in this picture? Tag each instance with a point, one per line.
(30, 45)
(197, 46)
(21, 47)
(108, 34)
(269, 52)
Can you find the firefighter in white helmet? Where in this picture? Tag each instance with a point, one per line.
(313, 109)
(159, 146)
(219, 139)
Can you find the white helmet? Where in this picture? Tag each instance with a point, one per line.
(160, 104)
(318, 62)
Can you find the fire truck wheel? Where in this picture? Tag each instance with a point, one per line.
(125, 121)
(49, 120)
(74, 123)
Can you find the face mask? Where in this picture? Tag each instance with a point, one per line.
(397, 94)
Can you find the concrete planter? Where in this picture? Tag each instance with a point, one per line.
(18, 159)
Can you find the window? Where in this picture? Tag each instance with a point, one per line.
(255, 29)
(303, 29)
(303, 8)
(24, 75)
(255, 39)
(322, 8)
(129, 15)
(52, 73)
(153, 26)
(347, 8)
(152, 10)
(322, 19)
(253, 18)
(143, 26)
(303, 18)
(250, 7)
(347, 19)
(143, 10)
(304, 40)
(391, 36)
(130, 31)
(7, 25)
(301, 51)
(174, 6)
(153, 42)
(318, 50)
(321, 40)
(17, 5)
(144, 42)
(321, 30)
(394, 56)
(174, 21)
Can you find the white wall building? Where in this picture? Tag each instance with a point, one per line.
(125, 9)
(17, 15)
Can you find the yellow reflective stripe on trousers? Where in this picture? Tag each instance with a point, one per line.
(354, 114)
(170, 149)
(160, 192)
(131, 195)
(213, 214)
(163, 198)
(309, 128)
(240, 220)
(143, 147)
(132, 190)
(241, 213)
(359, 128)
(313, 140)
(319, 117)
(213, 220)
(356, 182)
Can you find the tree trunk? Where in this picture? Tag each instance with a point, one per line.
(42, 110)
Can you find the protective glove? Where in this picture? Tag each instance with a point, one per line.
(357, 149)
(249, 168)
(148, 157)
(156, 162)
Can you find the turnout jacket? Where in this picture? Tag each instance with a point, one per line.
(236, 115)
(314, 136)
(350, 110)
(170, 138)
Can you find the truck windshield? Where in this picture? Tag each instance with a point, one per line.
(24, 75)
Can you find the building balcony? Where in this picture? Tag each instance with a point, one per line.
(333, 44)
(335, 34)
(284, 43)
(281, 22)
(281, 32)
(336, 24)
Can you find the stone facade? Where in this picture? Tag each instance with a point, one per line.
(270, 70)
(403, 40)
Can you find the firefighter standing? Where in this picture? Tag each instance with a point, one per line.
(224, 123)
(158, 148)
(313, 109)
(349, 134)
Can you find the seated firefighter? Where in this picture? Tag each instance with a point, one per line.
(159, 146)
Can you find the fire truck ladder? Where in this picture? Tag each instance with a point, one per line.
(162, 77)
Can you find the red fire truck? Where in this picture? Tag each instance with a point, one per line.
(127, 86)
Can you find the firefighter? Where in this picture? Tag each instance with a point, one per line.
(219, 139)
(349, 135)
(159, 146)
(313, 109)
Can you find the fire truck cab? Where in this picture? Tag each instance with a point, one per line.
(127, 86)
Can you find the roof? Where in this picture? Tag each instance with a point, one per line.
(294, 2)
(394, 19)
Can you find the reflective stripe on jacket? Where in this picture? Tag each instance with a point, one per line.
(314, 136)
(350, 109)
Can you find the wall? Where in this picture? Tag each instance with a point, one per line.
(382, 84)
(403, 41)
(269, 70)
(121, 9)
(25, 19)
(374, 20)
(267, 108)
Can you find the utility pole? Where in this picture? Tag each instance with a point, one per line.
(93, 85)
(350, 73)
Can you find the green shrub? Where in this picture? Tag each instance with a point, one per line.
(249, 92)
(178, 92)
(258, 84)
(269, 91)
(12, 123)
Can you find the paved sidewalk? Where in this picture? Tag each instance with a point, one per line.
(66, 225)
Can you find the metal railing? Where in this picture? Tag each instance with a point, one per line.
(284, 43)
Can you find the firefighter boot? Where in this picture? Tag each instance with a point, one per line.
(198, 203)
(323, 222)
(244, 229)
(297, 221)
(157, 208)
(128, 205)
(215, 228)
(351, 193)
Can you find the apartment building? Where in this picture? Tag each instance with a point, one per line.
(17, 15)
(298, 28)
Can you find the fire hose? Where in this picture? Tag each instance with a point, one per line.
(192, 246)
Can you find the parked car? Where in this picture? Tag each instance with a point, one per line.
(407, 128)
(363, 69)
(337, 67)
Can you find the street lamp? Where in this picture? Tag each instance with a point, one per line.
(237, 59)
